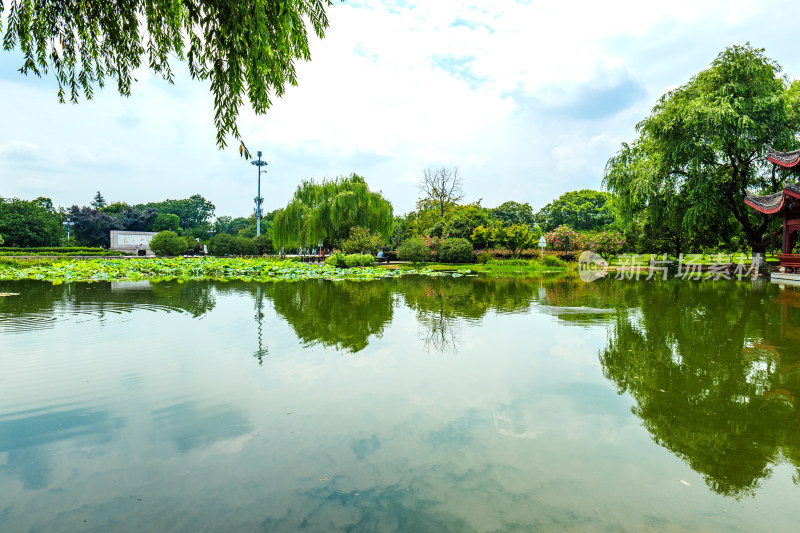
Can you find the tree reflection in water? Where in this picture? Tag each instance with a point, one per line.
(342, 315)
(714, 369)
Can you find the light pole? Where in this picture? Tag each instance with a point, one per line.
(67, 223)
(259, 200)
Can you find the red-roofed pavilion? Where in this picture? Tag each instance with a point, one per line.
(786, 204)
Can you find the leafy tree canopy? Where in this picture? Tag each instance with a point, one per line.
(464, 221)
(167, 222)
(192, 212)
(325, 212)
(584, 210)
(704, 144)
(513, 213)
(30, 222)
(240, 48)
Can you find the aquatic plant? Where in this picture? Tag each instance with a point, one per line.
(190, 269)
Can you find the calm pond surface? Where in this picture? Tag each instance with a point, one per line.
(413, 404)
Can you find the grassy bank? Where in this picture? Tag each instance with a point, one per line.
(495, 268)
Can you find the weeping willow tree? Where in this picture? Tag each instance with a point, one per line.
(325, 212)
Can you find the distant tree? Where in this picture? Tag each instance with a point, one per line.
(91, 227)
(516, 237)
(192, 212)
(99, 202)
(483, 236)
(202, 231)
(425, 218)
(441, 188)
(241, 48)
(167, 222)
(229, 225)
(115, 208)
(131, 219)
(584, 210)
(324, 212)
(513, 213)
(464, 221)
(399, 231)
(30, 222)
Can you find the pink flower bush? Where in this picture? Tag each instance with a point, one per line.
(606, 244)
(433, 242)
(563, 238)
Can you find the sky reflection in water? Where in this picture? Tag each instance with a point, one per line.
(413, 404)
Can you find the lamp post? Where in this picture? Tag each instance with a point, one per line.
(67, 223)
(258, 199)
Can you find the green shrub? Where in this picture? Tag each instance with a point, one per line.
(223, 244)
(245, 246)
(361, 240)
(553, 261)
(355, 260)
(456, 250)
(1, 240)
(336, 259)
(414, 250)
(168, 243)
(263, 244)
(193, 246)
(484, 258)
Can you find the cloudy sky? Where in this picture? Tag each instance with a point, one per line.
(528, 98)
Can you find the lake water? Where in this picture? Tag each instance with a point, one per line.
(412, 404)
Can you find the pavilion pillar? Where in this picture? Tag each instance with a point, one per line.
(786, 237)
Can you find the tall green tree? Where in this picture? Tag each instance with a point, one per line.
(239, 48)
(30, 222)
(98, 202)
(584, 210)
(464, 221)
(193, 212)
(705, 143)
(167, 222)
(511, 212)
(325, 212)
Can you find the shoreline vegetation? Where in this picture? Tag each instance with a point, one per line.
(66, 270)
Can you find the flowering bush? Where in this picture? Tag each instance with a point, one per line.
(607, 243)
(433, 242)
(565, 238)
